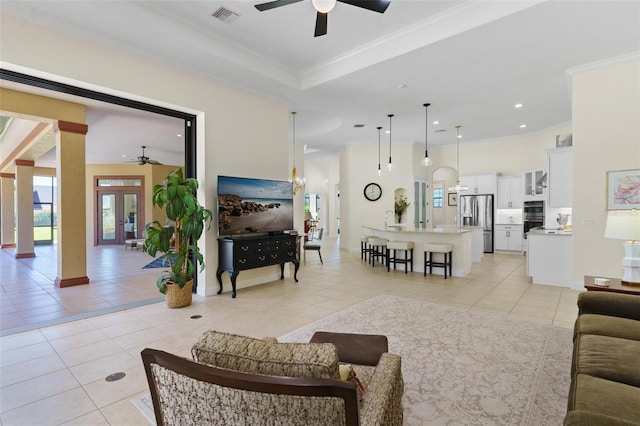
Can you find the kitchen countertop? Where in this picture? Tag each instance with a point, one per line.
(551, 232)
(509, 223)
(407, 228)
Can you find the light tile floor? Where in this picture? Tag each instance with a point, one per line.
(56, 375)
(30, 299)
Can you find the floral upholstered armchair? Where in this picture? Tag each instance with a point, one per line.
(239, 380)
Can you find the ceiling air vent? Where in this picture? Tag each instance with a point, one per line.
(440, 131)
(358, 125)
(225, 15)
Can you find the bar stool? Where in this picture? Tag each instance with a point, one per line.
(378, 250)
(407, 247)
(364, 247)
(445, 249)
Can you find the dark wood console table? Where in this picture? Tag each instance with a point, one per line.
(615, 286)
(240, 254)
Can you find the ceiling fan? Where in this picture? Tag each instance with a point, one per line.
(143, 159)
(323, 7)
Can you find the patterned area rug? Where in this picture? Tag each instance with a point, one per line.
(464, 367)
(157, 263)
(460, 367)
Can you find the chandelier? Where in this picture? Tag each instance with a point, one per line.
(298, 182)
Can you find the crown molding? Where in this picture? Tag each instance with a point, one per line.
(456, 20)
(605, 63)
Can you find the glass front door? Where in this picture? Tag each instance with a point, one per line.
(118, 214)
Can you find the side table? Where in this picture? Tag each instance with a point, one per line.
(615, 286)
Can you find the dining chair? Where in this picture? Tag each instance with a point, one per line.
(314, 244)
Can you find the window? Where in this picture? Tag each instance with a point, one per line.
(437, 198)
(119, 182)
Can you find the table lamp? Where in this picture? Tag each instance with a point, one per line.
(625, 225)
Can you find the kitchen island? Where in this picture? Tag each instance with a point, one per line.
(550, 257)
(459, 238)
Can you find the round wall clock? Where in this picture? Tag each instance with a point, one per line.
(372, 191)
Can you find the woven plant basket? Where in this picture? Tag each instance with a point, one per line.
(179, 297)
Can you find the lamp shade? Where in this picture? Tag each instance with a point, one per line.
(623, 225)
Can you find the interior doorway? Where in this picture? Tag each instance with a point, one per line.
(421, 205)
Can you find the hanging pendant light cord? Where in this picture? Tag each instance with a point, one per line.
(293, 114)
(458, 154)
(390, 116)
(426, 131)
(379, 128)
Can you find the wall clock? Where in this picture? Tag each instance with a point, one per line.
(372, 191)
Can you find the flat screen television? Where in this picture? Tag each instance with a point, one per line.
(254, 206)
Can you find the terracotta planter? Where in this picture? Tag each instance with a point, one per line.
(177, 297)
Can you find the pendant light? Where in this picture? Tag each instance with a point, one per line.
(298, 182)
(458, 187)
(390, 165)
(379, 169)
(426, 161)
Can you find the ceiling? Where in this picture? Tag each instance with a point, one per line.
(472, 60)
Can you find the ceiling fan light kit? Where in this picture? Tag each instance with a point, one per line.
(143, 159)
(323, 7)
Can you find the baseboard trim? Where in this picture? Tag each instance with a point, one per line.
(70, 282)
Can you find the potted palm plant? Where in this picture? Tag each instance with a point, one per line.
(177, 242)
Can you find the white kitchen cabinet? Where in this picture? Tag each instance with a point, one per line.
(550, 258)
(480, 184)
(560, 177)
(508, 237)
(510, 192)
(532, 191)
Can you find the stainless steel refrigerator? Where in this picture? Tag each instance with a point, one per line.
(477, 210)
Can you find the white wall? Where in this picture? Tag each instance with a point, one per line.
(358, 167)
(606, 137)
(239, 133)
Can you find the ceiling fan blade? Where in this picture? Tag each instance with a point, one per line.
(379, 6)
(273, 4)
(154, 162)
(321, 24)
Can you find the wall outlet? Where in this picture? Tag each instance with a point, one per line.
(587, 222)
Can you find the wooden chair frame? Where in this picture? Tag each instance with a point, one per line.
(250, 382)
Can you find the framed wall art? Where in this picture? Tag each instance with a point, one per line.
(623, 189)
(453, 199)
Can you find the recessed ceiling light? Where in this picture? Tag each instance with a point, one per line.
(402, 86)
(179, 135)
(124, 156)
(522, 126)
(387, 132)
(436, 122)
(518, 106)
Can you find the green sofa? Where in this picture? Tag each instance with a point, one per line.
(605, 370)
